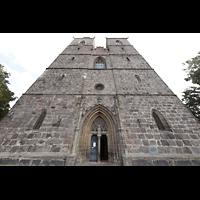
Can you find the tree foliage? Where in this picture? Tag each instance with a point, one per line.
(191, 95)
(5, 94)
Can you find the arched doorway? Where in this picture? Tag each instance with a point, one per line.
(98, 140)
(99, 146)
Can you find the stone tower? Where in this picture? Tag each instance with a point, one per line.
(99, 106)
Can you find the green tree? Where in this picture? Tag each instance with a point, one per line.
(5, 94)
(191, 95)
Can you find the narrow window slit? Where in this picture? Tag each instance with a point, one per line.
(138, 78)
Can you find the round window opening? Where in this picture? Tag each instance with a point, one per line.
(99, 86)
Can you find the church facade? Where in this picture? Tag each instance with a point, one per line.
(99, 106)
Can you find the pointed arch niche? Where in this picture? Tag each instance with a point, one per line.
(160, 121)
(101, 122)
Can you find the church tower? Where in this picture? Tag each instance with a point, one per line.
(99, 106)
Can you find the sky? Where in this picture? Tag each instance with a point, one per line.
(27, 55)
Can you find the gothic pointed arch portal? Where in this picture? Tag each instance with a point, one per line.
(101, 124)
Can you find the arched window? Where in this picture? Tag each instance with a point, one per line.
(160, 121)
(61, 77)
(40, 119)
(118, 42)
(82, 42)
(138, 78)
(100, 63)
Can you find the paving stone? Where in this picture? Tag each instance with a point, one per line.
(196, 162)
(8, 161)
(56, 163)
(35, 162)
(160, 163)
(141, 162)
(24, 162)
(183, 163)
(45, 163)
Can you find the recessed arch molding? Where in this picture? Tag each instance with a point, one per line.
(86, 132)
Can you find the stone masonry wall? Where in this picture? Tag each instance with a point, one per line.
(17, 134)
(184, 137)
(67, 91)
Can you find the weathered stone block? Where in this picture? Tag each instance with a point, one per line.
(179, 142)
(137, 105)
(141, 162)
(171, 136)
(164, 143)
(195, 150)
(55, 149)
(45, 163)
(24, 162)
(186, 150)
(35, 162)
(196, 162)
(183, 163)
(160, 163)
(31, 148)
(14, 149)
(8, 161)
(56, 163)
(187, 142)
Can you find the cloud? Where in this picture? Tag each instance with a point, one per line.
(28, 55)
(33, 52)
